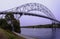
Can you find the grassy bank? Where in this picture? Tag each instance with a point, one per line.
(8, 35)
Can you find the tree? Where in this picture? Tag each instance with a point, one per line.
(13, 23)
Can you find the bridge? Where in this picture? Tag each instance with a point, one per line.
(30, 14)
(26, 8)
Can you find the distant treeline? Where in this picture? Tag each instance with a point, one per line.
(43, 26)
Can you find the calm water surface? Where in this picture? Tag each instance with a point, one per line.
(40, 33)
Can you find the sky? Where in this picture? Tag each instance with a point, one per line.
(52, 5)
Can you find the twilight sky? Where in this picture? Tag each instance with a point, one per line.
(53, 5)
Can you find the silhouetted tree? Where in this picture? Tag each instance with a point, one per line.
(13, 23)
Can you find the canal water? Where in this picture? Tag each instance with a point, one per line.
(41, 33)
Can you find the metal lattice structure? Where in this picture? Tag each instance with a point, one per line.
(32, 6)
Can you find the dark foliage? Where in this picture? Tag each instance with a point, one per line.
(5, 25)
(16, 25)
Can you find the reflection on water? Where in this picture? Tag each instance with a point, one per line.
(40, 33)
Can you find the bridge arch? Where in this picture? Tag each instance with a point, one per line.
(35, 6)
(32, 7)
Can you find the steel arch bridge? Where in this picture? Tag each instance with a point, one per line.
(32, 7)
(26, 8)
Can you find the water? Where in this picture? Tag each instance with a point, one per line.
(40, 33)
